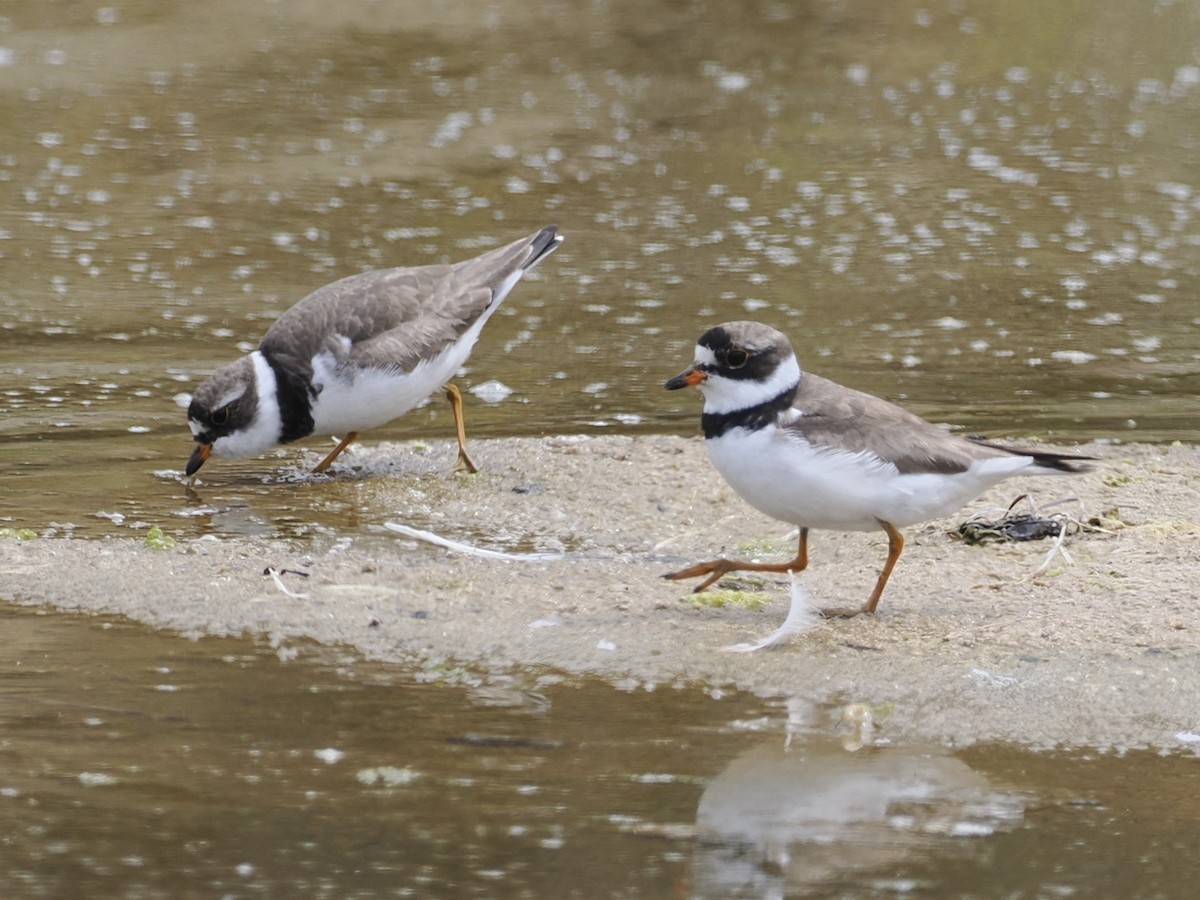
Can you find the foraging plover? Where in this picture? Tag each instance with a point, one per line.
(357, 353)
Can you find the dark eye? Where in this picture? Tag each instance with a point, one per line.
(220, 415)
(735, 359)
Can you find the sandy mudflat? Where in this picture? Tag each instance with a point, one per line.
(968, 643)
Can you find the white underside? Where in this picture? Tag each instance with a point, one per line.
(357, 399)
(354, 399)
(782, 475)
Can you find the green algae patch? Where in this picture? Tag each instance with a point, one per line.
(157, 539)
(728, 599)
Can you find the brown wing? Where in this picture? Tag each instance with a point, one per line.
(835, 415)
(396, 317)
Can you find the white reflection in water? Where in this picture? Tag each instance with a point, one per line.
(790, 816)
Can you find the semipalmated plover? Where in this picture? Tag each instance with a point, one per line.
(813, 453)
(357, 353)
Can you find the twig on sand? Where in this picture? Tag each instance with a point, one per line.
(430, 538)
(1056, 550)
(274, 573)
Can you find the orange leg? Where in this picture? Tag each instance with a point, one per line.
(895, 546)
(718, 568)
(465, 463)
(335, 453)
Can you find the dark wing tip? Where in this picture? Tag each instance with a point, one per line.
(1061, 462)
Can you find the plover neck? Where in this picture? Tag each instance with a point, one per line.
(291, 398)
(748, 403)
(725, 394)
(751, 418)
(264, 428)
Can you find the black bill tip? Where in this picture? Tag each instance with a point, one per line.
(197, 459)
(689, 377)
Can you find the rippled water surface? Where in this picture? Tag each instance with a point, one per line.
(142, 765)
(984, 211)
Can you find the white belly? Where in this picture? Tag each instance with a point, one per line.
(354, 399)
(790, 480)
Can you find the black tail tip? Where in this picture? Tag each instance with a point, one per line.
(543, 244)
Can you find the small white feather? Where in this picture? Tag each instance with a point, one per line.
(803, 616)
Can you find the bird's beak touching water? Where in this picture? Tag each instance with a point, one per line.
(689, 377)
(198, 457)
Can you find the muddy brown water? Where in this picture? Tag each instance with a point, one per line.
(985, 211)
(142, 765)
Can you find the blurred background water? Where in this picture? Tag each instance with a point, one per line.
(983, 211)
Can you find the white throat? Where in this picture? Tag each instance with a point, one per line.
(727, 395)
(266, 427)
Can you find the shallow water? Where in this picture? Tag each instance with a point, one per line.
(140, 764)
(984, 213)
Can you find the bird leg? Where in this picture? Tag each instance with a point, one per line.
(465, 463)
(718, 568)
(335, 453)
(895, 545)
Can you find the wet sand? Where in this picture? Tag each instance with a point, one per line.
(969, 643)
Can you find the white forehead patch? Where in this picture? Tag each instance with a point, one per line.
(704, 356)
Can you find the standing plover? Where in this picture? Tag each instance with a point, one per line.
(811, 452)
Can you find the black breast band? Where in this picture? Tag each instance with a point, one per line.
(292, 392)
(752, 418)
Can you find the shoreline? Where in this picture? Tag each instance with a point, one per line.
(968, 644)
